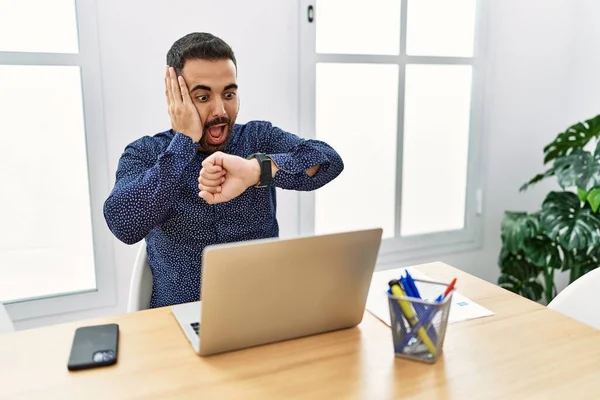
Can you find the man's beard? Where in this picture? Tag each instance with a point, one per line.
(210, 148)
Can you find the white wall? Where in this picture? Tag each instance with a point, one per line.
(531, 51)
(584, 95)
(541, 58)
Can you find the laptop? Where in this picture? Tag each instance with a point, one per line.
(271, 290)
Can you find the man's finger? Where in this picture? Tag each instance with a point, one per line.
(168, 88)
(211, 182)
(175, 93)
(211, 165)
(204, 173)
(210, 189)
(214, 159)
(185, 94)
(210, 198)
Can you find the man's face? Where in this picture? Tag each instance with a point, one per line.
(213, 89)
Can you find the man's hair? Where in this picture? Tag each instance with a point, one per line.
(198, 45)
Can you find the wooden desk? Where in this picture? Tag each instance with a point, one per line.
(524, 351)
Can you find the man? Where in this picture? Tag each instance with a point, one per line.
(207, 180)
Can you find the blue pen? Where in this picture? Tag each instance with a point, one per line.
(411, 282)
(423, 312)
(407, 287)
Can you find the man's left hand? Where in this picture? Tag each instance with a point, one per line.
(237, 175)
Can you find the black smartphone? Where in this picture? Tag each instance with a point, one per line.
(94, 346)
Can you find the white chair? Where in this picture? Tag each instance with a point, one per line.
(579, 300)
(140, 287)
(6, 324)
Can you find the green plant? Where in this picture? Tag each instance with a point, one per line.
(565, 234)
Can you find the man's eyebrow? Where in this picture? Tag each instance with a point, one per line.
(231, 86)
(201, 87)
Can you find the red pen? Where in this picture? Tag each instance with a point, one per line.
(450, 287)
(448, 290)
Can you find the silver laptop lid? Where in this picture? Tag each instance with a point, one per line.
(266, 291)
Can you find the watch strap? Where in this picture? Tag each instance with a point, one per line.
(266, 174)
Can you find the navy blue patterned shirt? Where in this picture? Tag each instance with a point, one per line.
(156, 198)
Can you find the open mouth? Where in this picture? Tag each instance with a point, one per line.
(217, 134)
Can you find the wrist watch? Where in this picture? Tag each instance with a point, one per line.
(266, 175)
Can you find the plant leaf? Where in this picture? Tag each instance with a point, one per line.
(588, 260)
(536, 179)
(594, 199)
(542, 252)
(582, 194)
(516, 227)
(565, 221)
(570, 258)
(580, 168)
(581, 261)
(575, 137)
(519, 276)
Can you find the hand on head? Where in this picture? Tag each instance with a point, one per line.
(184, 116)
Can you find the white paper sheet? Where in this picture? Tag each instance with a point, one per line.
(462, 309)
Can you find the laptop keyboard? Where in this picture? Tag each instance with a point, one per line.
(195, 326)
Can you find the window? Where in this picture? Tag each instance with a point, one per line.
(55, 252)
(396, 86)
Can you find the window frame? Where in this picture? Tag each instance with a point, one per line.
(398, 249)
(88, 59)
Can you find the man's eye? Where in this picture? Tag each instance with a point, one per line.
(230, 95)
(202, 97)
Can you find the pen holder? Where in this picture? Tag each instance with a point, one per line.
(419, 326)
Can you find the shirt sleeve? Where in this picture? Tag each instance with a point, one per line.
(145, 187)
(294, 155)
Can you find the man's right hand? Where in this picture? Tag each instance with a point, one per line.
(184, 116)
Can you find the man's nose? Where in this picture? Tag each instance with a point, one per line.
(219, 110)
